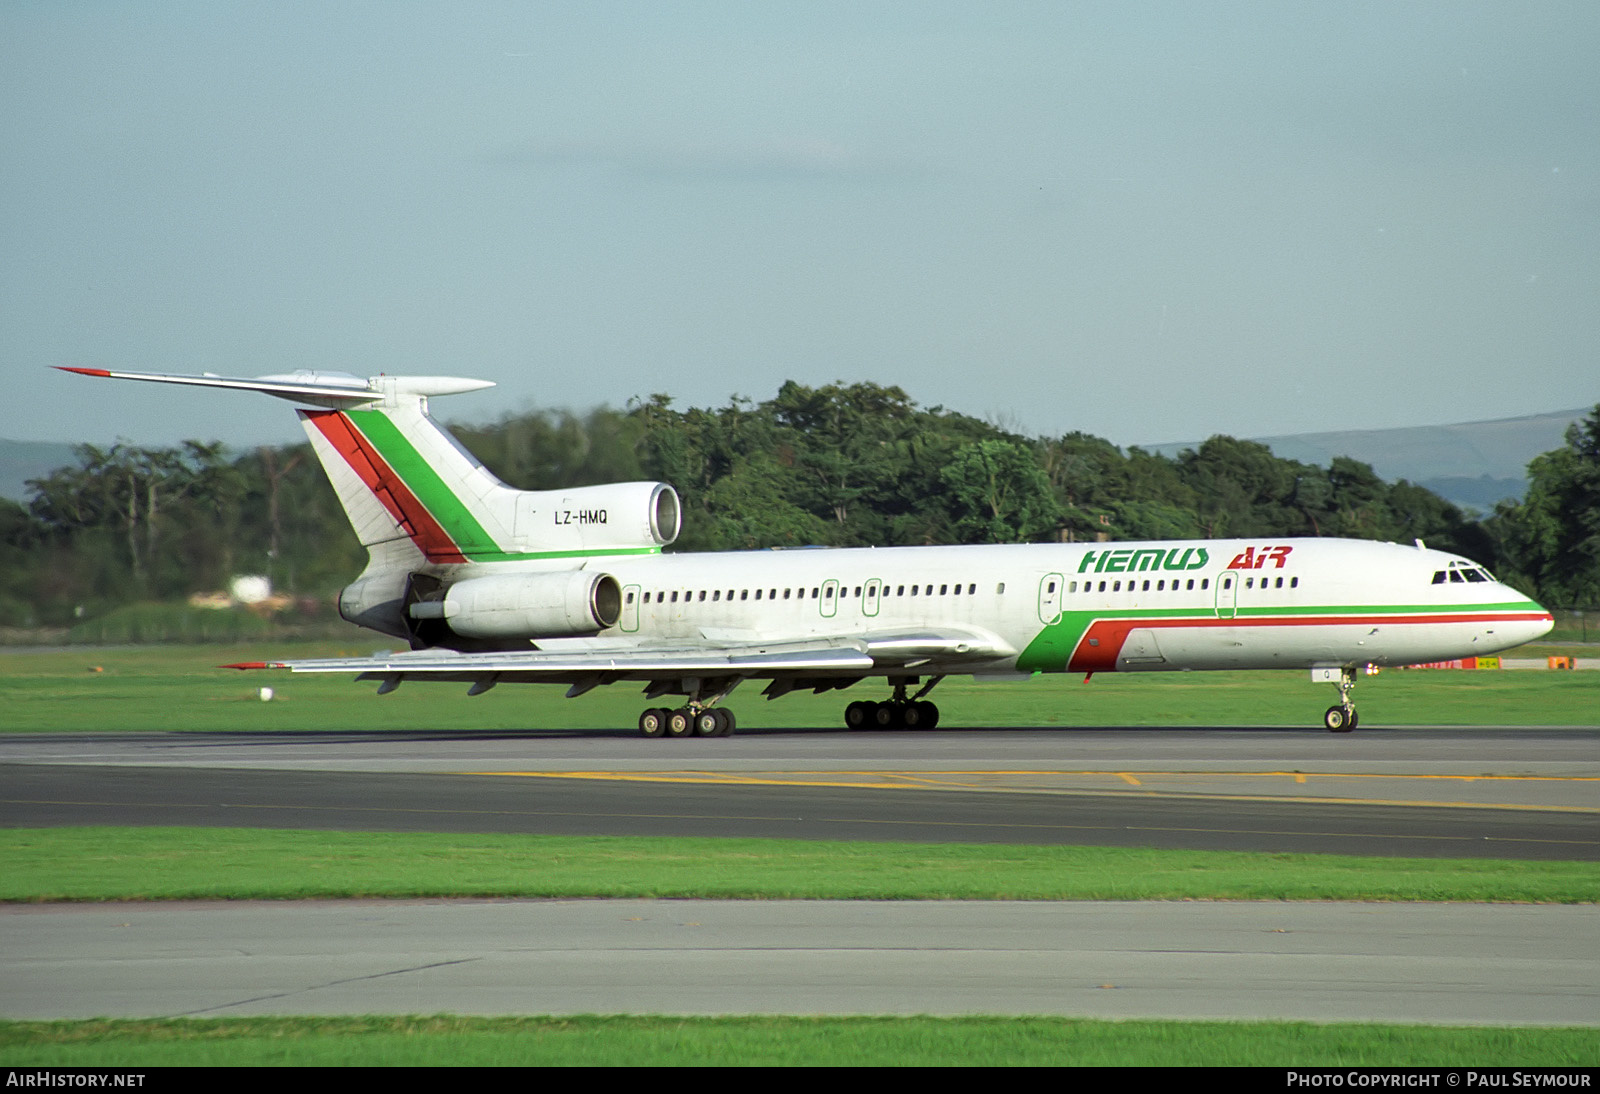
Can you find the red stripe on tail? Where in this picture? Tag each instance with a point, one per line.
(408, 512)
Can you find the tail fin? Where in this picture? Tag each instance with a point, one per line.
(401, 475)
(416, 497)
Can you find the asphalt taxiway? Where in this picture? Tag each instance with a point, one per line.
(1514, 793)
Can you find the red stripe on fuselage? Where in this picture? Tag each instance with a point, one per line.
(1101, 644)
(407, 511)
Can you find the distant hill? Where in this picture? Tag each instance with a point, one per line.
(24, 460)
(1473, 463)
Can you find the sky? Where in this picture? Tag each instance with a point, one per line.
(1148, 221)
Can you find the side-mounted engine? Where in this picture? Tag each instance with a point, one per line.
(562, 604)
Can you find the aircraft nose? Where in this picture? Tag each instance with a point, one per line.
(1537, 624)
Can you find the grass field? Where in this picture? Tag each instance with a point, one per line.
(91, 864)
(778, 1042)
(181, 688)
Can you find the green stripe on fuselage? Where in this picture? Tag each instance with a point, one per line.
(1054, 644)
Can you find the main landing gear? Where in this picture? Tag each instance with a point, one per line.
(689, 721)
(899, 712)
(1342, 717)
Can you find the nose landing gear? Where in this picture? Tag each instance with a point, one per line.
(1342, 717)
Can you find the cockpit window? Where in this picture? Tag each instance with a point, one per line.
(1459, 573)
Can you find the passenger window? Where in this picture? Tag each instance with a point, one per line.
(1294, 583)
(944, 590)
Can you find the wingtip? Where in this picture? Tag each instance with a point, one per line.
(245, 665)
(84, 371)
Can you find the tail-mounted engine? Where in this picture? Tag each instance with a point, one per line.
(621, 514)
(563, 604)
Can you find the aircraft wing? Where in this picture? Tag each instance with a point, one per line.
(604, 660)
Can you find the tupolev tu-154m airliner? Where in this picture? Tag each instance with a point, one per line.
(493, 585)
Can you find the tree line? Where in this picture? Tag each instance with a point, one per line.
(838, 465)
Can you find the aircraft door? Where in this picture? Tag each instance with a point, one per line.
(1050, 587)
(870, 595)
(829, 604)
(1227, 595)
(630, 609)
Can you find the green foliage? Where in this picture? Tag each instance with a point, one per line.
(998, 493)
(1550, 543)
(837, 465)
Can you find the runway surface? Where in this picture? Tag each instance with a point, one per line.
(1429, 963)
(1514, 793)
(1468, 792)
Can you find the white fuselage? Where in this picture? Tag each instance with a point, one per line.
(1228, 604)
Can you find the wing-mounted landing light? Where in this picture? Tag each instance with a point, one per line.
(336, 390)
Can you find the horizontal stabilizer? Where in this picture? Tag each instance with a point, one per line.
(329, 389)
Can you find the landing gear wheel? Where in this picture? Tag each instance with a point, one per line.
(927, 714)
(913, 716)
(653, 722)
(713, 723)
(680, 723)
(859, 715)
(888, 716)
(1339, 719)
